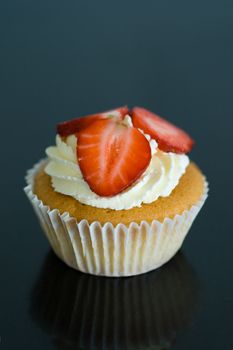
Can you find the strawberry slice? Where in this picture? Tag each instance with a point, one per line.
(169, 137)
(112, 156)
(75, 125)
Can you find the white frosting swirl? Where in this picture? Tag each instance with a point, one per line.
(158, 180)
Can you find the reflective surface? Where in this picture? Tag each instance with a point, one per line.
(61, 59)
(79, 311)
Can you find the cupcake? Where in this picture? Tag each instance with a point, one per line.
(117, 194)
(150, 311)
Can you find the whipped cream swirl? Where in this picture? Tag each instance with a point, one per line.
(158, 180)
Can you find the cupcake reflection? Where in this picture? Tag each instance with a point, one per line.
(86, 312)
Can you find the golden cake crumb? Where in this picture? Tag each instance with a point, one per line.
(187, 193)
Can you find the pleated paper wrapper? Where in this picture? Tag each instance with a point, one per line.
(110, 250)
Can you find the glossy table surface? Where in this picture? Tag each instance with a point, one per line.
(61, 59)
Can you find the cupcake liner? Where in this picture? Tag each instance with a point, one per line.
(79, 311)
(107, 249)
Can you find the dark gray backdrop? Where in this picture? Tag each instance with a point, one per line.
(61, 59)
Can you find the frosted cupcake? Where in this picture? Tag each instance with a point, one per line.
(117, 194)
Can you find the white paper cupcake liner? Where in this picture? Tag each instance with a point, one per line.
(111, 250)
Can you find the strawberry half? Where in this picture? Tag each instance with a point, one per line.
(75, 125)
(112, 156)
(169, 137)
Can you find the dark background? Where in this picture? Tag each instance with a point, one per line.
(61, 59)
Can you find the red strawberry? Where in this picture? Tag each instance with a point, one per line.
(169, 137)
(112, 156)
(75, 125)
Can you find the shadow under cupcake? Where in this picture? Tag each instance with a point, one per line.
(80, 311)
